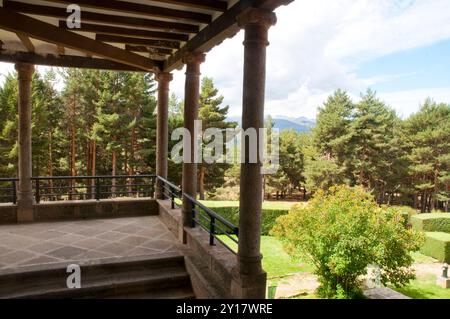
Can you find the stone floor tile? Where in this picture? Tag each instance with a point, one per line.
(117, 249)
(16, 256)
(44, 247)
(134, 240)
(66, 252)
(90, 243)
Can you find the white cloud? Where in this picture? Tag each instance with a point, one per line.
(317, 46)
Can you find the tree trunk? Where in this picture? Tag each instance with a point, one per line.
(201, 182)
(113, 173)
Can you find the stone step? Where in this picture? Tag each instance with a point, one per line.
(144, 276)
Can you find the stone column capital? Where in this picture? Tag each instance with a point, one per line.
(25, 70)
(256, 16)
(164, 77)
(194, 58)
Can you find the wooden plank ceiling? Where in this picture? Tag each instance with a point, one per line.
(135, 35)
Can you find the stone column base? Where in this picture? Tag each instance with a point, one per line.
(249, 286)
(25, 214)
(443, 282)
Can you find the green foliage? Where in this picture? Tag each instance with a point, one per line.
(432, 222)
(270, 212)
(213, 115)
(341, 232)
(268, 219)
(437, 245)
(426, 139)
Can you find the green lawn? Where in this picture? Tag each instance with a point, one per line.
(276, 262)
(425, 288)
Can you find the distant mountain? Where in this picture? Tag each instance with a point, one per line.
(300, 124)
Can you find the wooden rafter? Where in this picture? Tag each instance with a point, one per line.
(138, 8)
(16, 22)
(225, 26)
(104, 29)
(142, 48)
(100, 17)
(66, 61)
(25, 41)
(61, 50)
(202, 4)
(139, 41)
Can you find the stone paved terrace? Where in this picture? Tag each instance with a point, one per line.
(35, 244)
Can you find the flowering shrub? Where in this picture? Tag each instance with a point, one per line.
(343, 231)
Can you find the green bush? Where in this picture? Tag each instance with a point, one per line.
(433, 222)
(407, 212)
(343, 231)
(269, 216)
(437, 245)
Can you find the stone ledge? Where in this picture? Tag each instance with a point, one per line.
(83, 209)
(384, 293)
(210, 267)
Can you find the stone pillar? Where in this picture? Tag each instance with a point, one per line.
(191, 104)
(25, 198)
(250, 279)
(162, 129)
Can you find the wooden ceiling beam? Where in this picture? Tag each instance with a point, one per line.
(61, 50)
(142, 48)
(16, 22)
(225, 26)
(202, 4)
(25, 41)
(141, 9)
(69, 61)
(105, 29)
(139, 41)
(49, 11)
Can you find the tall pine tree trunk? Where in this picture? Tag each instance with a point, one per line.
(201, 182)
(50, 161)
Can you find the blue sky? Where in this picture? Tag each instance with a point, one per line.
(400, 48)
(419, 68)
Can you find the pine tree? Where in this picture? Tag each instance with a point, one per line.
(212, 115)
(427, 139)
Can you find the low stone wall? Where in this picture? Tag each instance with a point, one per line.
(210, 267)
(8, 214)
(84, 209)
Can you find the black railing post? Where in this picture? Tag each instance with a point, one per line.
(14, 189)
(97, 188)
(193, 215)
(38, 191)
(212, 230)
(173, 198)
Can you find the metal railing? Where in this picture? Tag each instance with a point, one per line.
(8, 190)
(59, 188)
(212, 223)
(170, 191)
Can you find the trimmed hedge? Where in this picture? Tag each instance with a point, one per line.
(269, 216)
(434, 222)
(437, 245)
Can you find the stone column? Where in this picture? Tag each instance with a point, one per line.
(191, 104)
(25, 198)
(162, 129)
(250, 280)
